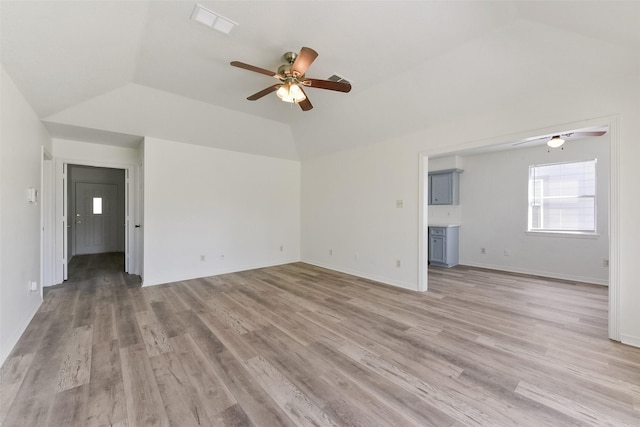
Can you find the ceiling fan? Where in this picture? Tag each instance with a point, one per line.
(292, 79)
(555, 141)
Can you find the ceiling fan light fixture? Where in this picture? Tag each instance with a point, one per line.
(555, 142)
(291, 92)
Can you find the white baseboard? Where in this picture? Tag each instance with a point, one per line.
(381, 279)
(574, 278)
(230, 269)
(630, 340)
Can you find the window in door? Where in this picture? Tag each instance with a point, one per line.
(97, 205)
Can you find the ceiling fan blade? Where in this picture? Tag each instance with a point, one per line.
(530, 140)
(327, 84)
(303, 60)
(589, 133)
(254, 68)
(305, 104)
(566, 135)
(263, 92)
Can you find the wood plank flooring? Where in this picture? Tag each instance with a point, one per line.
(301, 345)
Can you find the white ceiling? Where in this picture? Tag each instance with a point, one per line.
(142, 68)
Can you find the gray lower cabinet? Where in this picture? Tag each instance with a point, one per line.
(443, 246)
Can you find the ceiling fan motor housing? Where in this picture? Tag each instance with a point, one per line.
(284, 70)
(290, 57)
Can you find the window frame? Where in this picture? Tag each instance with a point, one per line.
(587, 233)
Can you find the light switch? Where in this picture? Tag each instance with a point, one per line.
(32, 195)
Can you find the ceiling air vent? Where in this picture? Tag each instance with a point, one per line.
(212, 20)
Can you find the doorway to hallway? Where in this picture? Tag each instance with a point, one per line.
(97, 207)
(101, 269)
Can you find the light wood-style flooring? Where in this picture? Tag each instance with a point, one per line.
(301, 345)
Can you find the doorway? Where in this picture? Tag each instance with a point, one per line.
(130, 239)
(97, 206)
(612, 230)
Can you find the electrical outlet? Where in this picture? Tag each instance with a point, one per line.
(398, 263)
(221, 256)
(281, 248)
(483, 251)
(605, 263)
(399, 204)
(202, 257)
(506, 253)
(330, 251)
(33, 286)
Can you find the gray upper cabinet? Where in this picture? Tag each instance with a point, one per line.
(444, 187)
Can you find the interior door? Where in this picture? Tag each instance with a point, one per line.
(96, 219)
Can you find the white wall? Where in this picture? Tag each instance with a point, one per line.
(350, 221)
(347, 195)
(493, 200)
(629, 213)
(134, 109)
(234, 209)
(84, 153)
(22, 137)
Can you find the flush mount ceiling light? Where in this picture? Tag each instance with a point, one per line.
(212, 20)
(555, 142)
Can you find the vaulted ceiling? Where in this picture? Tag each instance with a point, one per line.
(112, 71)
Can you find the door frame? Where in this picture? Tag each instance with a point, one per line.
(133, 246)
(47, 232)
(614, 202)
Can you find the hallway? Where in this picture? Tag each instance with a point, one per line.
(100, 268)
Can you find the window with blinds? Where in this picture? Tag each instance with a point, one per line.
(562, 197)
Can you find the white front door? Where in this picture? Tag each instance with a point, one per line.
(96, 218)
